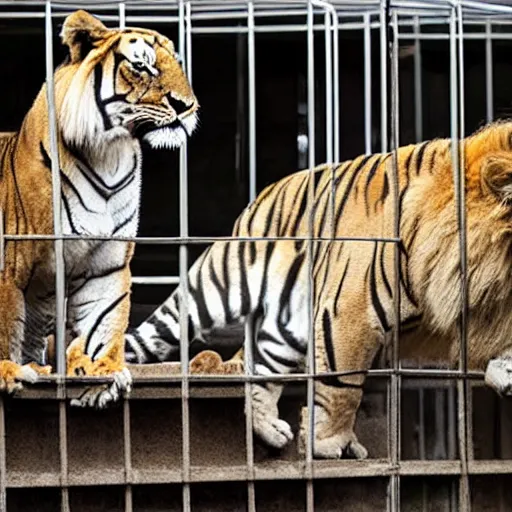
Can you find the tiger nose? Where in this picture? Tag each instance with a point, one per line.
(179, 106)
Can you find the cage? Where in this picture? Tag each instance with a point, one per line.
(283, 85)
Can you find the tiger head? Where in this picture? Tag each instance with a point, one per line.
(121, 84)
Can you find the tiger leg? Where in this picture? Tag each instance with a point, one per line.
(12, 321)
(100, 322)
(342, 348)
(273, 355)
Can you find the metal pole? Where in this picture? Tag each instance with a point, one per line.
(60, 306)
(183, 271)
(383, 80)
(395, 377)
(249, 340)
(418, 89)
(336, 83)
(489, 73)
(328, 90)
(457, 129)
(367, 85)
(251, 59)
(250, 332)
(310, 502)
(127, 438)
(122, 16)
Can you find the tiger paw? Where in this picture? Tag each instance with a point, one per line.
(40, 370)
(101, 396)
(12, 375)
(80, 364)
(339, 446)
(273, 431)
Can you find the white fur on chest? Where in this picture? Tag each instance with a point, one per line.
(104, 194)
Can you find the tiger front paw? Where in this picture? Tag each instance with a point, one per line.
(12, 375)
(101, 396)
(80, 364)
(343, 444)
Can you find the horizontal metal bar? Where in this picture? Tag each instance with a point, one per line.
(435, 37)
(467, 5)
(149, 19)
(155, 280)
(173, 375)
(268, 470)
(171, 240)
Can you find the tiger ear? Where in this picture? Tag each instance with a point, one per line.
(496, 177)
(79, 33)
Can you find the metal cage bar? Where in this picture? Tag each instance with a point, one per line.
(395, 383)
(459, 15)
(310, 355)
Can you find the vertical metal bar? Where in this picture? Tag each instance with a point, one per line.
(418, 89)
(3, 459)
(128, 477)
(457, 131)
(336, 84)
(310, 501)
(396, 382)
(250, 333)
(183, 270)
(421, 421)
(383, 79)
(418, 129)
(452, 421)
(251, 60)
(328, 90)
(63, 449)
(60, 311)
(122, 16)
(188, 39)
(489, 73)
(249, 339)
(367, 84)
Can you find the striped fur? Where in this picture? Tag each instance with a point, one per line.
(116, 89)
(354, 281)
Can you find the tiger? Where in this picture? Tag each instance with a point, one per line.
(115, 89)
(355, 281)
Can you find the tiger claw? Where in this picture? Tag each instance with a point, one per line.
(101, 396)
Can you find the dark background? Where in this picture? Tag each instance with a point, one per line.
(218, 150)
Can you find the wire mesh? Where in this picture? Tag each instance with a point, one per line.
(396, 21)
